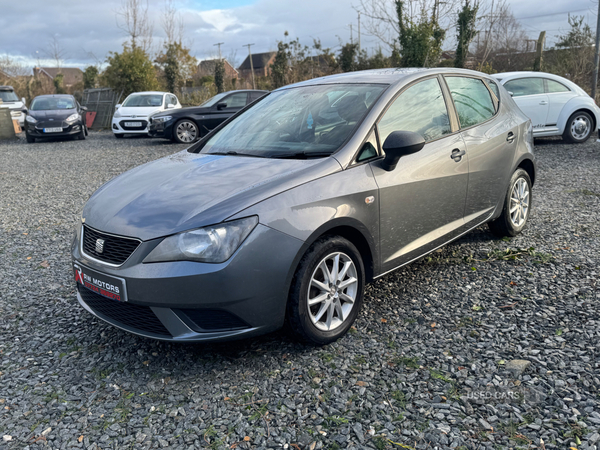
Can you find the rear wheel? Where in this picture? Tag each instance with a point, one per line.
(185, 132)
(517, 206)
(579, 128)
(327, 291)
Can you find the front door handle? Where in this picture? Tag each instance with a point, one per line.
(543, 102)
(457, 154)
(511, 137)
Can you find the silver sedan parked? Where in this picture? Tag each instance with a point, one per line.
(284, 212)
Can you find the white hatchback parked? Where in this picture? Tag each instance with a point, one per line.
(555, 105)
(132, 116)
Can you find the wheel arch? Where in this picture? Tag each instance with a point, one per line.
(528, 166)
(575, 105)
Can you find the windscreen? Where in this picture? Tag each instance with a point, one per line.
(307, 121)
(143, 100)
(8, 96)
(52, 103)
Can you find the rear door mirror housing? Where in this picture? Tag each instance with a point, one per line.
(399, 144)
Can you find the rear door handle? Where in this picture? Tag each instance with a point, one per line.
(457, 154)
(511, 137)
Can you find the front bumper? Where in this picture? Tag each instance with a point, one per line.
(37, 129)
(119, 125)
(198, 302)
(161, 129)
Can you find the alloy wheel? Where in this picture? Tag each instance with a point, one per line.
(332, 291)
(186, 132)
(580, 127)
(519, 202)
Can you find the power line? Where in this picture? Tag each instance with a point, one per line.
(551, 14)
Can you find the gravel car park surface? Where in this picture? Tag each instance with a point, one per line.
(432, 340)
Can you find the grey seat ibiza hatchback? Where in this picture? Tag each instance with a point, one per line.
(282, 214)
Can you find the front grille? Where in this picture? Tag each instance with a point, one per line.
(138, 317)
(116, 249)
(202, 320)
(140, 128)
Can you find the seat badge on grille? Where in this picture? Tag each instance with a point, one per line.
(99, 245)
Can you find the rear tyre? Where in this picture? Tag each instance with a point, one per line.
(119, 135)
(579, 128)
(185, 132)
(327, 291)
(30, 139)
(517, 206)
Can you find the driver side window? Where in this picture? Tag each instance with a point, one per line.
(420, 108)
(236, 100)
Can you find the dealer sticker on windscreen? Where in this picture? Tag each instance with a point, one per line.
(104, 285)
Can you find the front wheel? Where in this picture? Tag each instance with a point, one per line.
(327, 291)
(30, 139)
(185, 132)
(517, 206)
(81, 135)
(579, 128)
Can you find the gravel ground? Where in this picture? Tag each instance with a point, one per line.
(429, 363)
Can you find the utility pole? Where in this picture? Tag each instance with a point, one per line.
(359, 31)
(218, 44)
(537, 63)
(351, 39)
(596, 57)
(251, 64)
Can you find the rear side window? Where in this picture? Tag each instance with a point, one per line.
(255, 96)
(525, 86)
(555, 86)
(472, 100)
(421, 108)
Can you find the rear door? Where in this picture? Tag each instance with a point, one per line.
(422, 201)
(529, 94)
(491, 140)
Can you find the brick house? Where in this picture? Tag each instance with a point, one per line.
(207, 68)
(261, 63)
(71, 75)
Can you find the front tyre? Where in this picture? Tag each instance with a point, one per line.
(579, 128)
(327, 291)
(517, 206)
(185, 132)
(30, 139)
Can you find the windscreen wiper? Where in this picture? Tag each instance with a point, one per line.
(300, 155)
(233, 153)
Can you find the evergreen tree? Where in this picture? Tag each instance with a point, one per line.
(466, 32)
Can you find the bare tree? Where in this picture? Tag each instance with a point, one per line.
(172, 23)
(133, 19)
(55, 51)
(382, 16)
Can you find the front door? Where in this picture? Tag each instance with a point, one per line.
(422, 201)
(530, 97)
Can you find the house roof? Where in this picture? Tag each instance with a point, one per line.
(208, 65)
(259, 60)
(71, 75)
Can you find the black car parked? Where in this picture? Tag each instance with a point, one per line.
(54, 116)
(187, 125)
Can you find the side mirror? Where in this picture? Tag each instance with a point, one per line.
(24, 110)
(511, 94)
(83, 108)
(221, 105)
(23, 100)
(170, 106)
(117, 106)
(399, 144)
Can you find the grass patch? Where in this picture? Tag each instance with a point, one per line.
(411, 363)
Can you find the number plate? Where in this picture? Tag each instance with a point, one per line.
(104, 285)
(133, 124)
(53, 130)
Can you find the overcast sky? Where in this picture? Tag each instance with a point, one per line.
(87, 30)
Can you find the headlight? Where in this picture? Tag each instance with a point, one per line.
(162, 118)
(73, 118)
(31, 119)
(214, 244)
(117, 114)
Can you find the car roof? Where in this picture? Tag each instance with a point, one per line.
(385, 76)
(150, 92)
(6, 88)
(54, 96)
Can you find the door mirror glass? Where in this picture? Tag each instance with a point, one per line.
(221, 105)
(399, 144)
